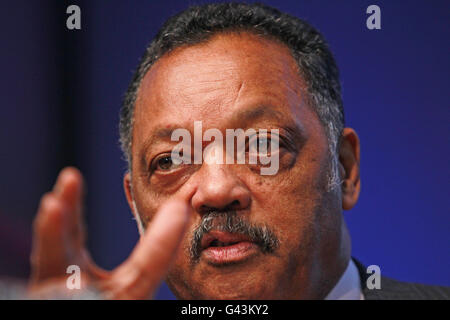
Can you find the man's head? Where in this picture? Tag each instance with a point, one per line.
(245, 66)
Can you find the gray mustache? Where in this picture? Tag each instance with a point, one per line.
(230, 221)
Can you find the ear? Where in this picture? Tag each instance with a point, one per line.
(128, 191)
(349, 168)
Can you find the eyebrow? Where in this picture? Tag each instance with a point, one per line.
(242, 116)
(158, 134)
(256, 113)
(295, 131)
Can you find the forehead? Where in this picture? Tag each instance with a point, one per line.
(214, 79)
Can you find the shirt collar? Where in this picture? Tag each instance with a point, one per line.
(348, 286)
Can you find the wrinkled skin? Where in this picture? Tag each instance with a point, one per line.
(232, 81)
(244, 81)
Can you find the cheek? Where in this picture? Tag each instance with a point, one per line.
(148, 199)
(289, 202)
(182, 257)
(180, 272)
(147, 206)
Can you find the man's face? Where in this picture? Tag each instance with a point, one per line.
(240, 81)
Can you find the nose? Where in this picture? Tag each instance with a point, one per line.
(219, 188)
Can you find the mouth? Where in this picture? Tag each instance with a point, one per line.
(220, 248)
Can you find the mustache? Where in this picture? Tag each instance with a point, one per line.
(230, 221)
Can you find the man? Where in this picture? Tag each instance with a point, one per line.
(224, 230)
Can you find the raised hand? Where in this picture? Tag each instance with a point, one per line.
(58, 241)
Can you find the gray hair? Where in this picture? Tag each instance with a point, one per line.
(229, 221)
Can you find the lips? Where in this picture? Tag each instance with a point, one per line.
(221, 239)
(220, 247)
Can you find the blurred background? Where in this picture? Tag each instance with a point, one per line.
(61, 92)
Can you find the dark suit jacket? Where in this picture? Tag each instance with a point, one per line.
(396, 290)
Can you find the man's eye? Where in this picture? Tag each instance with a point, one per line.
(262, 144)
(164, 163)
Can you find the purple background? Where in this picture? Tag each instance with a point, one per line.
(61, 92)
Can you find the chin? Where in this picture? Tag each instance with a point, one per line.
(254, 279)
(229, 287)
(236, 294)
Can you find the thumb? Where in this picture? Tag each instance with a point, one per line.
(141, 274)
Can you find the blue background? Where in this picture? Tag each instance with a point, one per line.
(61, 92)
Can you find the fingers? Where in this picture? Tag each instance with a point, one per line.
(58, 242)
(69, 189)
(48, 256)
(142, 273)
(57, 234)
